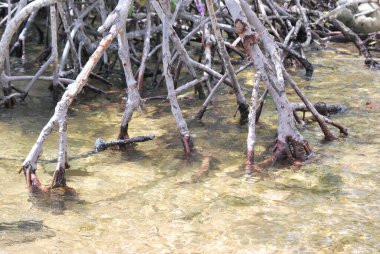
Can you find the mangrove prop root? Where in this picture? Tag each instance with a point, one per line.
(101, 145)
(163, 37)
(249, 165)
(187, 146)
(59, 179)
(291, 151)
(204, 170)
(31, 178)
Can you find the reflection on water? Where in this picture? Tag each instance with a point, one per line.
(144, 200)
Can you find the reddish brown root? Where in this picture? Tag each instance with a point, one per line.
(308, 149)
(204, 170)
(249, 168)
(341, 128)
(201, 112)
(271, 161)
(298, 164)
(330, 137)
(36, 183)
(187, 145)
(282, 154)
(32, 180)
(11, 101)
(292, 152)
(249, 165)
(266, 163)
(123, 135)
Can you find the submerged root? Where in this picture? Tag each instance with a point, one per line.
(35, 185)
(244, 113)
(55, 200)
(31, 178)
(204, 170)
(291, 152)
(59, 179)
(187, 146)
(250, 168)
(249, 165)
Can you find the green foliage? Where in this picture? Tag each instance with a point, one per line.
(173, 4)
(131, 10)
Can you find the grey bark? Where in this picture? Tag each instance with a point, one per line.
(242, 104)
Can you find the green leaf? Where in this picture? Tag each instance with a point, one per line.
(173, 4)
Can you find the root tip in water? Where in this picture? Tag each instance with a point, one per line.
(249, 169)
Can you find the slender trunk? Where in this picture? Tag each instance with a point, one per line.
(208, 43)
(242, 104)
(134, 100)
(176, 110)
(148, 28)
(290, 144)
(30, 163)
(251, 137)
(19, 46)
(54, 52)
(10, 30)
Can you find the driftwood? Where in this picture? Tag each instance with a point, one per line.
(101, 145)
(321, 107)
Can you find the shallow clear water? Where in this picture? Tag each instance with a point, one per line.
(144, 201)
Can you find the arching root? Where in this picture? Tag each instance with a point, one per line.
(31, 178)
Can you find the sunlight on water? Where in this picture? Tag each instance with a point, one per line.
(144, 201)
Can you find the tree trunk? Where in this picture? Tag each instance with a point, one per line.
(290, 144)
(59, 118)
(242, 104)
(134, 100)
(166, 56)
(10, 30)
